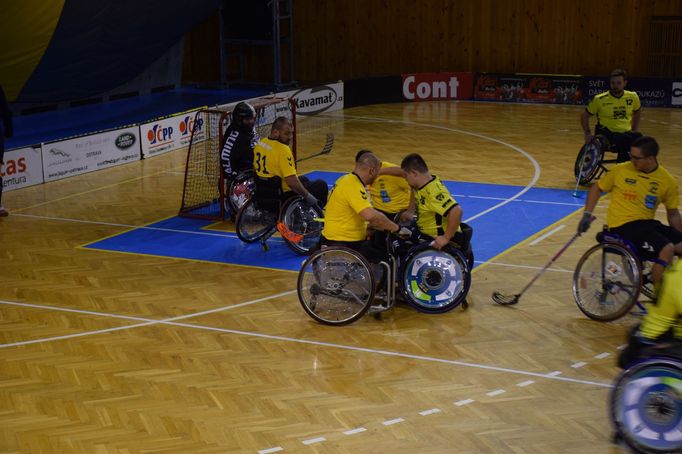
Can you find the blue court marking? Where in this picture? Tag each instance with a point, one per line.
(494, 232)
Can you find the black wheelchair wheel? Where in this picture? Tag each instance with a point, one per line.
(606, 282)
(645, 406)
(253, 223)
(302, 224)
(240, 189)
(335, 286)
(588, 161)
(434, 281)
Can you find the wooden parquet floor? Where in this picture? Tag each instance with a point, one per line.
(117, 353)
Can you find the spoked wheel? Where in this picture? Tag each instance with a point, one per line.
(240, 190)
(302, 224)
(335, 286)
(646, 406)
(435, 281)
(606, 282)
(647, 288)
(588, 162)
(253, 222)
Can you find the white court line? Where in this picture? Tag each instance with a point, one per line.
(578, 365)
(355, 431)
(390, 422)
(271, 450)
(172, 322)
(523, 384)
(497, 392)
(550, 233)
(602, 355)
(431, 411)
(312, 441)
(556, 373)
(464, 402)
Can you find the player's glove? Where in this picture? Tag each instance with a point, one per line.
(312, 200)
(404, 233)
(585, 222)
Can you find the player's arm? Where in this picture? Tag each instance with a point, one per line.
(636, 116)
(585, 124)
(674, 218)
(454, 217)
(411, 211)
(393, 171)
(378, 220)
(295, 184)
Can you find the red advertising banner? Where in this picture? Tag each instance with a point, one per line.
(435, 86)
(529, 88)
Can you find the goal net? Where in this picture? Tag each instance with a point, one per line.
(203, 193)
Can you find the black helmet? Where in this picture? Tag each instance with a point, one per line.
(242, 111)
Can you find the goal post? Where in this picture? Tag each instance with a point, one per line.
(203, 193)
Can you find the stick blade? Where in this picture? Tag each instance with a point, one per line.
(505, 300)
(329, 144)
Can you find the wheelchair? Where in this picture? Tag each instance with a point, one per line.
(609, 278)
(645, 404)
(589, 164)
(336, 285)
(262, 215)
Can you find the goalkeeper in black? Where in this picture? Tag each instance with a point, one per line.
(236, 151)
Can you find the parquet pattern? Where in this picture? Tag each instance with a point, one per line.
(116, 353)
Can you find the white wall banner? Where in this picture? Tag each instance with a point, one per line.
(66, 158)
(310, 101)
(23, 167)
(172, 133)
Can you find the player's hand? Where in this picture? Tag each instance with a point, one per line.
(406, 217)
(585, 222)
(439, 242)
(312, 200)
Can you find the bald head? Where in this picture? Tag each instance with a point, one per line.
(367, 166)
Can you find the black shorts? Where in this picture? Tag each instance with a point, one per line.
(369, 251)
(648, 236)
(620, 141)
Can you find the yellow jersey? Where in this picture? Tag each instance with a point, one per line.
(390, 194)
(347, 199)
(272, 158)
(668, 308)
(434, 202)
(635, 195)
(615, 113)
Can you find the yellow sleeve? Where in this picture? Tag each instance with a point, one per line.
(607, 180)
(636, 105)
(358, 199)
(672, 197)
(440, 201)
(593, 106)
(664, 314)
(287, 166)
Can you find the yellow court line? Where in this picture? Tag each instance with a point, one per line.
(95, 189)
(529, 239)
(186, 260)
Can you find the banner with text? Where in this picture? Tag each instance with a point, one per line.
(66, 158)
(435, 86)
(23, 167)
(171, 133)
(530, 88)
(653, 92)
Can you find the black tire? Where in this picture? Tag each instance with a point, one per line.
(588, 161)
(298, 216)
(434, 281)
(335, 286)
(606, 282)
(253, 223)
(646, 409)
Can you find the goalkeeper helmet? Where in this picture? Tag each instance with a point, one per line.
(242, 111)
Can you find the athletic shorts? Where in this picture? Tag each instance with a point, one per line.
(648, 236)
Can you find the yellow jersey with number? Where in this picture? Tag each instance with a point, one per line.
(668, 308)
(635, 195)
(347, 199)
(272, 158)
(390, 194)
(615, 113)
(434, 202)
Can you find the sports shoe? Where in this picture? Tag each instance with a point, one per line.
(3, 212)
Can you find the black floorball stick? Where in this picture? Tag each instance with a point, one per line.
(325, 150)
(509, 300)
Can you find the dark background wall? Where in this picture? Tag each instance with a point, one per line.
(359, 38)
